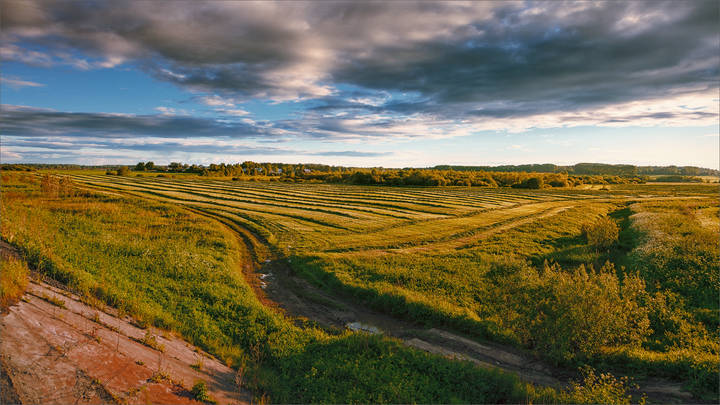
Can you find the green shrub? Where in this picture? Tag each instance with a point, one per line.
(531, 183)
(569, 316)
(600, 389)
(602, 233)
(200, 392)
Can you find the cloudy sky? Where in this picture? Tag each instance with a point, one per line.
(389, 84)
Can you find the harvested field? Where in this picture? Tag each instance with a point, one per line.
(444, 270)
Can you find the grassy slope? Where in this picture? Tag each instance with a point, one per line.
(179, 271)
(470, 286)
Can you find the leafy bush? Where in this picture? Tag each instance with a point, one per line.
(531, 183)
(602, 233)
(569, 316)
(200, 392)
(600, 389)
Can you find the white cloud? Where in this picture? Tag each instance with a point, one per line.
(216, 101)
(7, 154)
(237, 112)
(166, 110)
(18, 83)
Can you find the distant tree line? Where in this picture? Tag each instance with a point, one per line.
(592, 169)
(431, 177)
(401, 177)
(532, 176)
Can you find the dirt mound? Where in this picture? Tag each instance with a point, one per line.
(56, 349)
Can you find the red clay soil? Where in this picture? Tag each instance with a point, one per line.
(73, 353)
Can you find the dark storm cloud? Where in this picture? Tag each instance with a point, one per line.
(539, 64)
(696, 115)
(18, 121)
(22, 126)
(477, 59)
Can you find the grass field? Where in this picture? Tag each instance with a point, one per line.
(506, 265)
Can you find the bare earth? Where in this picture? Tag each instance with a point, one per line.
(81, 355)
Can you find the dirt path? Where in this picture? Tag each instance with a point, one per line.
(56, 349)
(301, 299)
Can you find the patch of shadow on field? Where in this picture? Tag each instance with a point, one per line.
(628, 237)
(567, 251)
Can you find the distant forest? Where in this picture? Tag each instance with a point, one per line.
(577, 169)
(522, 176)
(592, 169)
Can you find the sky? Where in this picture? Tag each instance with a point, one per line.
(391, 84)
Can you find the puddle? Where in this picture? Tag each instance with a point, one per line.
(360, 327)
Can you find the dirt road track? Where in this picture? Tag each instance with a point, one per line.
(296, 297)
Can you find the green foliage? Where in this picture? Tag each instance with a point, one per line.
(569, 316)
(14, 167)
(150, 340)
(678, 179)
(337, 372)
(534, 177)
(602, 233)
(600, 389)
(200, 392)
(679, 249)
(532, 183)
